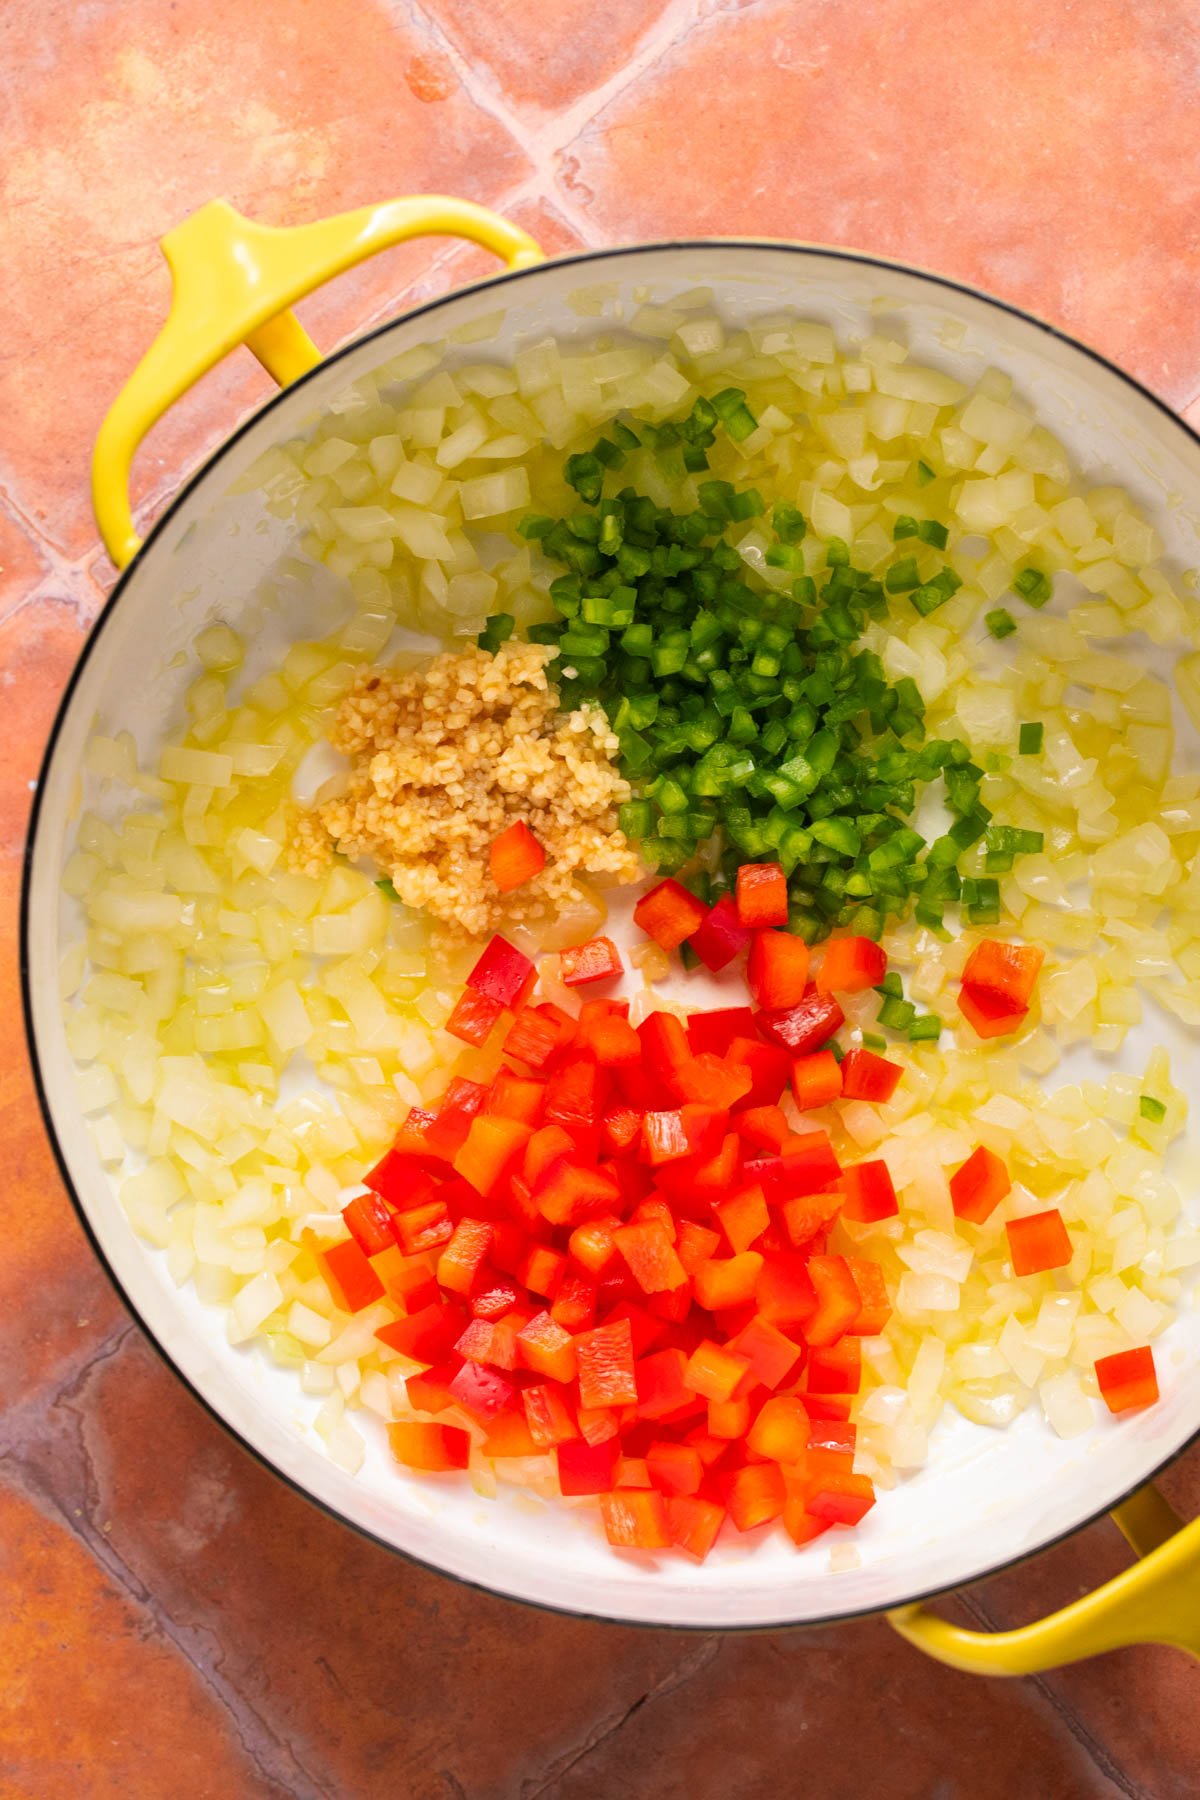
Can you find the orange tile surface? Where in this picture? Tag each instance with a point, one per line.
(180, 1622)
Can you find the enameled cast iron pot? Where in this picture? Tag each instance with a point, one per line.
(985, 1498)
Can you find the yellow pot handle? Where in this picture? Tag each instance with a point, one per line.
(233, 282)
(1156, 1601)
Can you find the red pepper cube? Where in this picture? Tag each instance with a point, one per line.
(508, 1435)
(705, 1175)
(483, 1392)
(695, 1243)
(832, 1434)
(669, 914)
(660, 1385)
(492, 1146)
(851, 965)
(461, 1102)
(875, 1308)
(544, 1347)
(585, 1468)
(715, 1031)
(604, 1032)
(784, 1292)
(622, 1128)
(978, 1187)
(754, 1495)
(411, 1142)
(729, 1419)
(574, 1305)
(744, 1216)
(474, 1017)
(763, 1127)
(991, 1017)
(532, 1037)
(693, 1523)
(644, 1329)
(1037, 1242)
(515, 857)
(801, 1525)
(838, 1301)
(592, 1243)
(727, 1281)
(808, 1025)
(869, 1193)
(568, 1193)
(635, 1519)
(521, 1097)
(541, 1270)
(777, 973)
(816, 1079)
(605, 1361)
(782, 1431)
(429, 1389)
(1128, 1379)
(369, 1223)
(426, 1336)
(1006, 973)
(762, 896)
(832, 1490)
(674, 1468)
(866, 1076)
(548, 1145)
(464, 1256)
(650, 1254)
(504, 973)
(597, 960)
(632, 1473)
(349, 1276)
(828, 1408)
(664, 1138)
(771, 1356)
(423, 1228)
(548, 1416)
(721, 936)
(835, 1368)
(713, 1371)
(598, 1425)
(575, 1092)
(496, 1299)
(434, 1448)
(488, 1341)
(806, 1216)
(708, 1080)
(409, 1280)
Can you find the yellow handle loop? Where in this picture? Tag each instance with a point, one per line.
(1156, 1601)
(233, 282)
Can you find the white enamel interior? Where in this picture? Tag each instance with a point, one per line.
(986, 1497)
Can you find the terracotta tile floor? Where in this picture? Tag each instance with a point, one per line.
(180, 1623)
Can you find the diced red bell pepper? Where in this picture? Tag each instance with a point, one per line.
(866, 1076)
(635, 1519)
(816, 1079)
(769, 1067)
(515, 857)
(669, 914)
(781, 1431)
(434, 1448)
(648, 1250)
(429, 1389)
(491, 1148)
(661, 1389)
(754, 1495)
(633, 1473)
(744, 1216)
(727, 1281)
(828, 1408)
(645, 1330)
(461, 1102)
(508, 1434)
(399, 1178)
(548, 1416)
(464, 1256)
(720, 937)
(712, 1081)
(772, 1356)
(695, 1244)
(542, 1269)
(835, 1368)
(349, 1275)
(715, 1031)
(729, 1419)
(585, 1468)
(801, 1525)
(778, 970)
(806, 1215)
(369, 1223)
(667, 1136)
(875, 1309)
(474, 1017)
(1039, 1241)
(664, 1042)
(622, 1128)
(504, 973)
(693, 1523)
(568, 1193)
(606, 1371)
(520, 1097)
(485, 1341)
(784, 1292)
(674, 1468)
(714, 1371)
(422, 1228)
(762, 896)
(978, 1187)
(672, 1304)
(592, 1243)
(604, 1032)
(702, 1178)
(831, 1434)
(709, 1449)
(833, 1491)
(599, 1425)
(575, 1092)
(869, 1193)
(764, 1127)
(806, 1164)
(991, 1017)
(597, 960)
(1004, 972)
(426, 1336)
(806, 1026)
(1128, 1379)
(544, 1347)
(483, 1392)
(496, 1298)
(574, 1305)
(838, 1303)
(532, 1037)
(548, 1145)
(409, 1280)
(850, 965)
